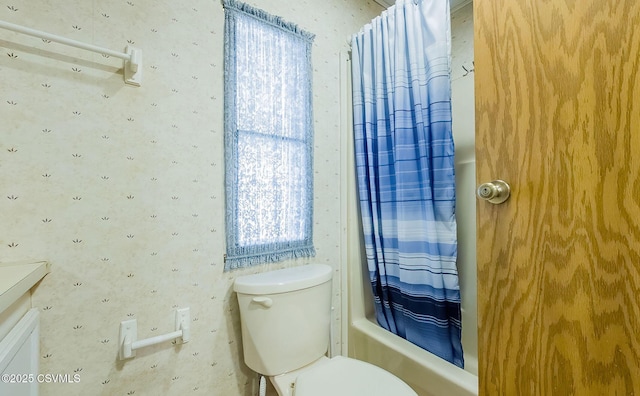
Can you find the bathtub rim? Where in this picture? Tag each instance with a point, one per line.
(436, 376)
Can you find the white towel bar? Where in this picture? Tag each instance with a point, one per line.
(132, 56)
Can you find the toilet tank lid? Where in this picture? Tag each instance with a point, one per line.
(283, 280)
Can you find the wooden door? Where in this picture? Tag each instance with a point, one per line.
(557, 87)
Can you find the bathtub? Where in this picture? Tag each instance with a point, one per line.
(426, 373)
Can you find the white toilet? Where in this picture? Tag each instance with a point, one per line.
(285, 317)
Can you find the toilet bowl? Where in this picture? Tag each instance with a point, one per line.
(285, 317)
(340, 376)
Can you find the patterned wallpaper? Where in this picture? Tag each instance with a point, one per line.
(121, 188)
(462, 40)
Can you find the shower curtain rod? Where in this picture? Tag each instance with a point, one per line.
(132, 56)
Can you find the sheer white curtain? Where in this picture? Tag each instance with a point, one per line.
(268, 137)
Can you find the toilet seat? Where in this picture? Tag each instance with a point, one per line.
(341, 376)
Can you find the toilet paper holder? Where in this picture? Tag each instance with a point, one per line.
(128, 338)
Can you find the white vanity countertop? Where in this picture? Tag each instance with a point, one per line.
(17, 278)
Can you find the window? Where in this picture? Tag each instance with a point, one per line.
(268, 138)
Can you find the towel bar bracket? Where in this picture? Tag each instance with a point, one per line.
(133, 66)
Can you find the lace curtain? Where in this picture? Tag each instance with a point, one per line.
(268, 138)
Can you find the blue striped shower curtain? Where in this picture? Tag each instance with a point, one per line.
(405, 170)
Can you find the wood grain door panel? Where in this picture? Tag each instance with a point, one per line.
(557, 87)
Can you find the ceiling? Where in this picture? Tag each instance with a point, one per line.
(454, 3)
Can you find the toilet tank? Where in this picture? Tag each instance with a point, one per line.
(285, 317)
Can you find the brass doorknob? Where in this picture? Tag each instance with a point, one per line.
(495, 192)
